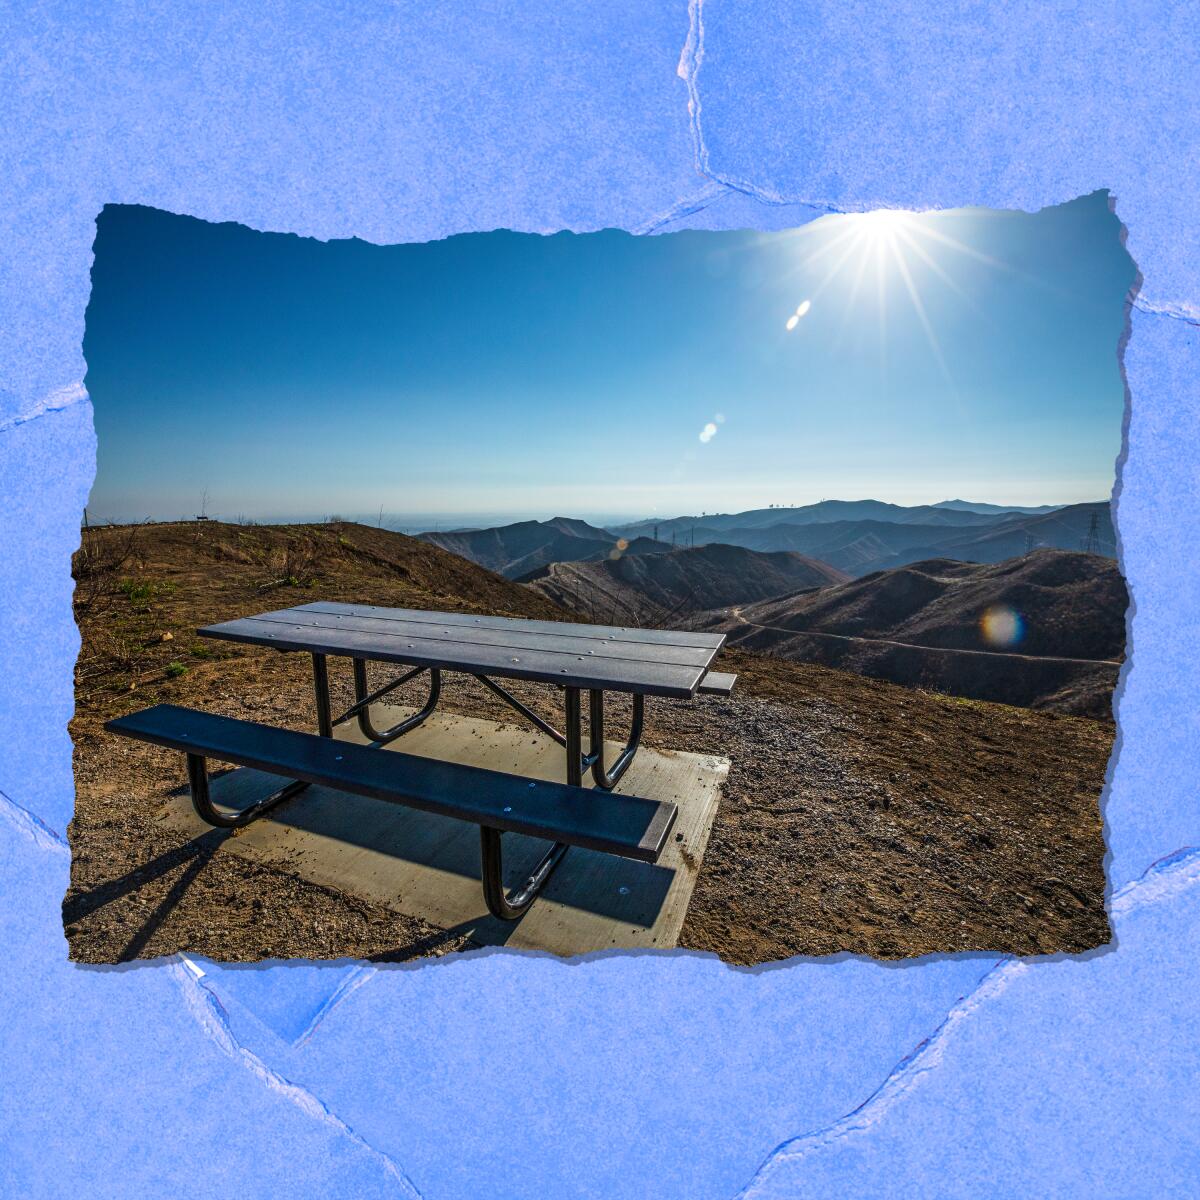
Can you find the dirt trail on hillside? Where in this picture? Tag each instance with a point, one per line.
(736, 614)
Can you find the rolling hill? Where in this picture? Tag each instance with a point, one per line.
(658, 588)
(920, 624)
(525, 547)
(135, 583)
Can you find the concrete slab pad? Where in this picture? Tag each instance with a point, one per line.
(428, 866)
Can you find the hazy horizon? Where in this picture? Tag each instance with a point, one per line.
(433, 522)
(499, 377)
(433, 518)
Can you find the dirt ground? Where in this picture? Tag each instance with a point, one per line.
(858, 815)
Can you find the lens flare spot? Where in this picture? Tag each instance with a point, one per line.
(708, 432)
(1001, 626)
(801, 309)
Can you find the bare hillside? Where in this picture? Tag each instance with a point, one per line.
(924, 625)
(142, 590)
(662, 587)
(519, 550)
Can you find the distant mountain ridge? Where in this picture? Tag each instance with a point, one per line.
(977, 507)
(822, 511)
(860, 536)
(1009, 536)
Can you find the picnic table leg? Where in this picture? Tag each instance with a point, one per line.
(574, 739)
(509, 906)
(361, 694)
(603, 778)
(197, 769)
(512, 905)
(321, 695)
(197, 766)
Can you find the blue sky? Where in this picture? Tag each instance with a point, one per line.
(497, 375)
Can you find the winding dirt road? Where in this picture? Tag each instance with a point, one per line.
(736, 614)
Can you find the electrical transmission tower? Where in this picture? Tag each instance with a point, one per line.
(1091, 543)
(1029, 542)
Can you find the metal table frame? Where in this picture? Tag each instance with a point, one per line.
(511, 904)
(507, 905)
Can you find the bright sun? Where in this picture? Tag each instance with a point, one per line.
(872, 246)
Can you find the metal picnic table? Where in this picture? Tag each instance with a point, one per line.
(596, 658)
(575, 657)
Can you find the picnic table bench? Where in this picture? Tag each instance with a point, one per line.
(575, 658)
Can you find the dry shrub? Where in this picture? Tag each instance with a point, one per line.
(294, 564)
(98, 567)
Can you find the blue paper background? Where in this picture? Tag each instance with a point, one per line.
(667, 1075)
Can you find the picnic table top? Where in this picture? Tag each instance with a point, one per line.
(660, 662)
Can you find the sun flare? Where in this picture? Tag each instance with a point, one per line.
(874, 248)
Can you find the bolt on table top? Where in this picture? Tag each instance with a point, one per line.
(657, 662)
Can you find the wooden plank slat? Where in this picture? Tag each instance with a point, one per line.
(578, 670)
(665, 637)
(515, 641)
(611, 822)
